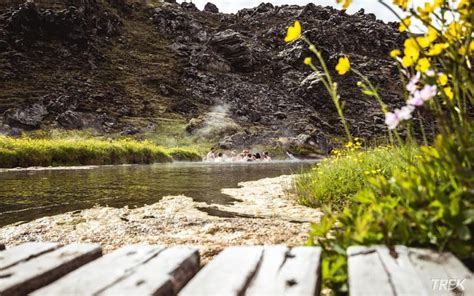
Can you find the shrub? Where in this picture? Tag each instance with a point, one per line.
(430, 203)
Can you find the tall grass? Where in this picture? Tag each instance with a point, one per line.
(335, 180)
(25, 152)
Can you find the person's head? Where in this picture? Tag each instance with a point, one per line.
(213, 149)
(245, 151)
(219, 154)
(265, 153)
(257, 155)
(249, 155)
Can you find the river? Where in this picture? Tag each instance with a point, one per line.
(29, 194)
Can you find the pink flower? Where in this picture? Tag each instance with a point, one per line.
(428, 92)
(415, 99)
(420, 96)
(412, 84)
(391, 120)
(405, 112)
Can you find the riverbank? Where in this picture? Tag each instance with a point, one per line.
(30, 152)
(265, 214)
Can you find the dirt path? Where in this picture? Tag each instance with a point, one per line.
(267, 214)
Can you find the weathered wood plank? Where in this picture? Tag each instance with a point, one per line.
(401, 272)
(374, 271)
(441, 273)
(286, 271)
(165, 274)
(24, 252)
(103, 273)
(28, 276)
(367, 274)
(228, 274)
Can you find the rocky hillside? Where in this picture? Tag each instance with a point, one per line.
(128, 68)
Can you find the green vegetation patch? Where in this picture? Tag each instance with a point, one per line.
(25, 152)
(336, 179)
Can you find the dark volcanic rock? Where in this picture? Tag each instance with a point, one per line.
(28, 118)
(210, 7)
(197, 61)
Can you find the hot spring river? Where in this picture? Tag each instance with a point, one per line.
(29, 194)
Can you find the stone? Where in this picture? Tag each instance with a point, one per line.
(28, 118)
(210, 7)
(70, 120)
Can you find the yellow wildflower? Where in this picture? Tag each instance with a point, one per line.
(345, 3)
(343, 65)
(403, 4)
(448, 91)
(404, 24)
(442, 79)
(411, 51)
(454, 31)
(471, 46)
(423, 65)
(294, 32)
(423, 41)
(432, 34)
(307, 61)
(436, 49)
(395, 53)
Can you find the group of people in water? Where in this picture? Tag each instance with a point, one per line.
(233, 156)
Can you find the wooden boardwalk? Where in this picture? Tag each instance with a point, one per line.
(80, 269)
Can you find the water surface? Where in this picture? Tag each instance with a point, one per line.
(27, 195)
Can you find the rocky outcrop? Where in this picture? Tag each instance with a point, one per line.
(205, 59)
(210, 7)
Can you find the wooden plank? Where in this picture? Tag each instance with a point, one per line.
(165, 274)
(286, 271)
(441, 273)
(24, 252)
(103, 273)
(28, 276)
(367, 274)
(228, 274)
(401, 272)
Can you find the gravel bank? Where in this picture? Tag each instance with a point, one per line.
(266, 214)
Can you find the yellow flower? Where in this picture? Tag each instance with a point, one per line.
(442, 79)
(307, 61)
(407, 61)
(395, 53)
(423, 65)
(343, 65)
(448, 91)
(403, 4)
(436, 49)
(345, 3)
(471, 46)
(454, 31)
(404, 24)
(423, 41)
(432, 34)
(294, 32)
(411, 51)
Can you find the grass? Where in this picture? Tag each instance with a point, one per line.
(26, 151)
(335, 180)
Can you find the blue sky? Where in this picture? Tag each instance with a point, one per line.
(369, 5)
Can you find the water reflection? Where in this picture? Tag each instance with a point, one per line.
(27, 195)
